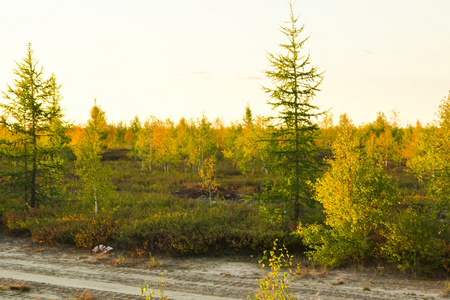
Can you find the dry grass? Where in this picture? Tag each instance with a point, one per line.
(130, 260)
(446, 292)
(85, 295)
(306, 269)
(311, 273)
(340, 281)
(367, 285)
(20, 287)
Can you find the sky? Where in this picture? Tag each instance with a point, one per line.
(186, 58)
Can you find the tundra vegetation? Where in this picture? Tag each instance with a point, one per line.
(340, 193)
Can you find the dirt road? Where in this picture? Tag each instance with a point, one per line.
(70, 273)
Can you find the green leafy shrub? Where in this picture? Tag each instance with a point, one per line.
(413, 242)
(16, 221)
(202, 231)
(24, 220)
(357, 197)
(50, 230)
(74, 229)
(98, 230)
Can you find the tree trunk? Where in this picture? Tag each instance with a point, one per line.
(210, 198)
(27, 188)
(33, 200)
(95, 198)
(296, 155)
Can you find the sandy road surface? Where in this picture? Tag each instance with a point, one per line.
(68, 273)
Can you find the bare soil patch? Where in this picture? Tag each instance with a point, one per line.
(63, 272)
(198, 192)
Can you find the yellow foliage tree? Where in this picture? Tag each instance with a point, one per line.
(207, 174)
(357, 198)
(94, 184)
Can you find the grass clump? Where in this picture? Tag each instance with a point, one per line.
(446, 292)
(20, 287)
(85, 295)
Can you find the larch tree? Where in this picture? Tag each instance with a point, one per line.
(295, 83)
(131, 133)
(201, 144)
(94, 183)
(219, 132)
(207, 174)
(33, 117)
(248, 116)
(249, 149)
(143, 147)
(386, 146)
(163, 142)
(121, 129)
(328, 131)
(111, 136)
(205, 140)
(182, 143)
(345, 123)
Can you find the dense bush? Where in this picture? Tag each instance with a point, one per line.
(165, 225)
(62, 229)
(416, 240)
(201, 231)
(357, 197)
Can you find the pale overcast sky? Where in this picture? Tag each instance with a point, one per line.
(187, 57)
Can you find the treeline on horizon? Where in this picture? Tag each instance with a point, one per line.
(185, 144)
(340, 193)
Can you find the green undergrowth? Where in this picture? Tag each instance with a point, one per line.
(178, 231)
(144, 214)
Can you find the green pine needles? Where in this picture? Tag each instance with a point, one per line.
(35, 137)
(293, 141)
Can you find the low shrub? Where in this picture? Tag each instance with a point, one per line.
(58, 230)
(202, 231)
(16, 221)
(23, 220)
(98, 230)
(172, 233)
(414, 243)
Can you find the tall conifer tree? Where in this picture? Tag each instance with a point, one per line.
(295, 83)
(32, 114)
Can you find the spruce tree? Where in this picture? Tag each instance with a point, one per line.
(33, 116)
(295, 83)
